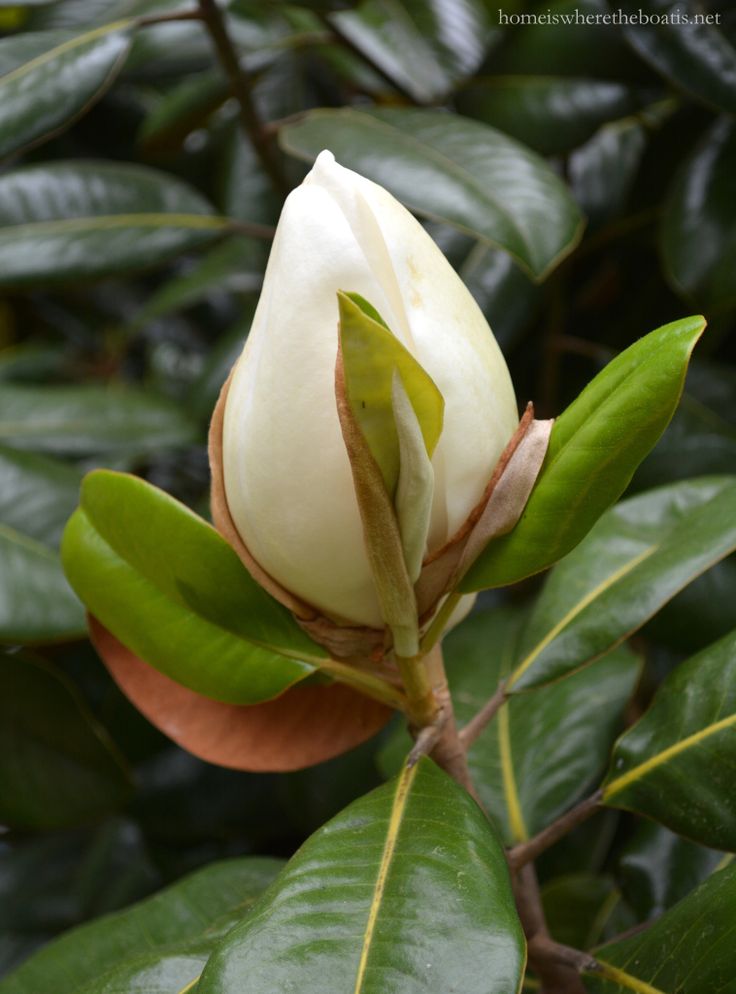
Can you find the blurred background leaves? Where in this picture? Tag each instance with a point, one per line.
(581, 177)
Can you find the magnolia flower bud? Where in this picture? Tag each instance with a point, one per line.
(287, 476)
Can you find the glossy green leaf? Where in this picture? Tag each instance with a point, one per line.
(525, 771)
(406, 890)
(235, 266)
(424, 49)
(583, 909)
(676, 764)
(641, 554)
(159, 944)
(46, 94)
(57, 765)
(181, 110)
(551, 114)
(603, 170)
(172, 590)
(595, 446)
(73, 220)
(687, 950)
(657, 868)
(90, 420)
(371, 353)
(37, 495)
(455, 170)
(696, 57)
(697, 234)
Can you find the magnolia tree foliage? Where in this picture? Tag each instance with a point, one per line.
(411, 686)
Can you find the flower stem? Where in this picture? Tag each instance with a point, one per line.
(433, 633)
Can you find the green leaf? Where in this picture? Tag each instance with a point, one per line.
(37, 495)
(687, 950)
(452, 169)
(172, 590)
(551, 114)
(658, 868)
(675, 765)
(640, 555)
(603, 170)
(159, 944)
(525, 771)
(406, 890)
(91, 420)
(423, 49)
(74, 220)
(595, 446)
(698, 236)
(696, 58)
(371, 353)
(581, 909)
(57, 765)
(48, 93)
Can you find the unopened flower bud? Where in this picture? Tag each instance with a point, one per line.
(288, 481)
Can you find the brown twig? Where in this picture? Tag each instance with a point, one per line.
(175, 15)
(525, 852)
(470, 732)
(557, 975)
(242, 89)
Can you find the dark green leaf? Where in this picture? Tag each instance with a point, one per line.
(406, 890)
(642, 552)
(68, 220)
(423, 48)
(157, 945)
(235, 266)
(173, 591)
(37, 495)
(676, 764)
(595, 446)
(46, 94)
(698, 233)
(550, 114)
(687, 950)
(696, 57)
(90, 420)
(582, 909)
(455, 170)
(57, 765)
(526, 772)
(603, 170)
(658, 868)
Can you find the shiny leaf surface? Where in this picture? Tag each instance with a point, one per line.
(172, 590)
(425, 48)
(687, 950)
(37, 495)
(158, 944)
(452, 169)
(57, 765)
(90, 420)
(675, 765)
(696, 57)
(657, 868)
(595, 446)
(550, 114)
(641, 554)
(71, 220)
(697, 234)
(406, 890)
(44, 95)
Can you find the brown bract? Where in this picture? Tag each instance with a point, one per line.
(304, 726)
